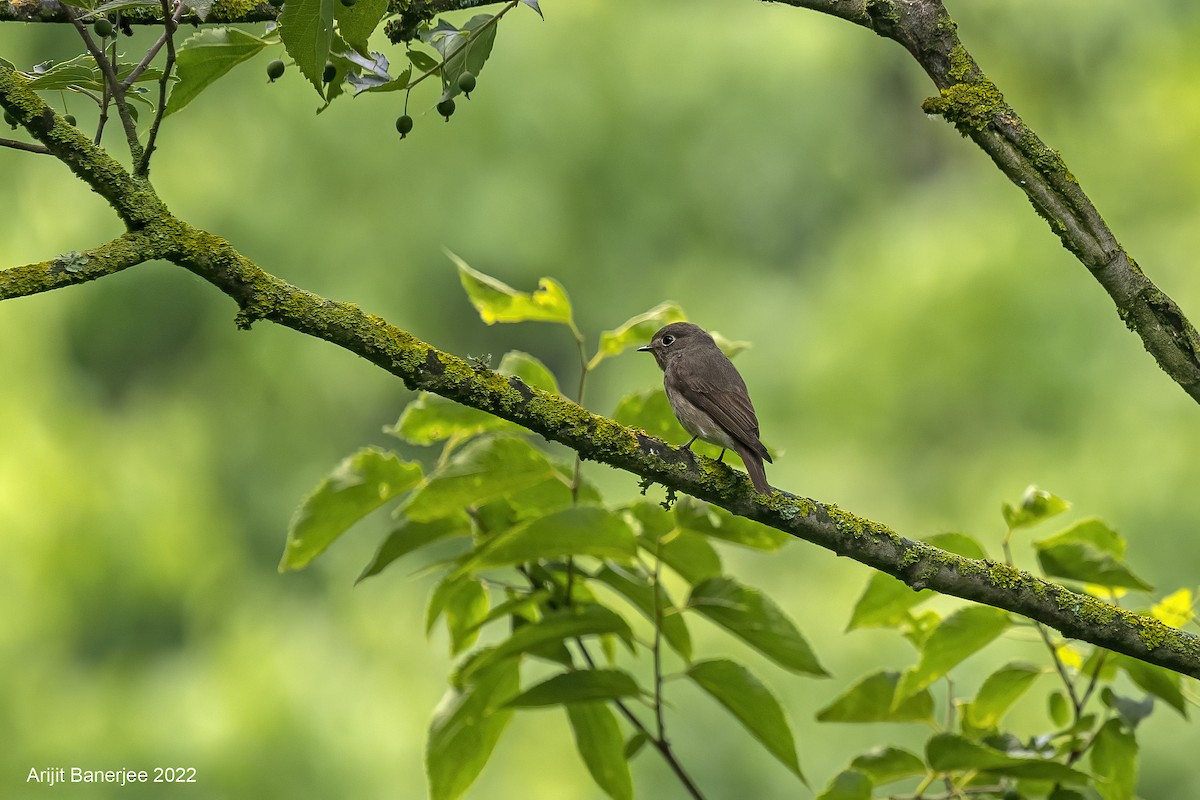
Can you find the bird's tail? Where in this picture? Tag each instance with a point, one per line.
(754, 466)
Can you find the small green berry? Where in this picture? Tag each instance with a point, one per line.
(70, 118)
(446, 108)
(275, 70)
(10, 120)
(404, 124)
(466, 83)
(103, 28)
(330, 72)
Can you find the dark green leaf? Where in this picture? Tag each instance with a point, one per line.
(529, 369)
(871, 700)
(464, 50)
(708, 520)
(752, 703)
(421, 60)
(1036, 505)
(958, 636)
(498, 302)
(947, 752)
(637, 589)
(635, 745)
(600, 744)
(359, 484)
(1162, 683)
(848, 784)
(577, 531)
(484, 470)
(1058, 709)
(551, 629)
(465, 728)
(1131, 711)
(650, 411)
(1088, 551)
(409, 536)
(206, 56)
(886, 764)
(357, 22)
(636, 331)
(1114, 759)
(306, 27)
(755, 619)
(999, 691)
(578, 686)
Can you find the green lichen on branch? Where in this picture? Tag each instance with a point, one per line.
(969, 106)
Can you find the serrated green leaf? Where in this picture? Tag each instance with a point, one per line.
(205, 57)
(410, 535)
(1036, 505)
(577, 531)
(465, 728)
(306, 27)
(1163, 683)
(485, 469)
(1088, 551)
(637, 589)
(755, 619)
(464, 50)
(947, 752)
(849, 784)
(886, 764)
(358, 485)
(1114, 759)
(357, 22)
(599, 742)
(999, 691)
(958, 636)
(578, 686)
(736, 688)
(650, 411)
(717, 523)
(871, 700)
(636, 331)
(529, 369)
(553, 628)
(498, 302)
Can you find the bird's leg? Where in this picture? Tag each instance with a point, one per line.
(722, 456)
(688, 446)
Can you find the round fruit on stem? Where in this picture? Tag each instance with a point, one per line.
(103, 28)
(446, 108)
(404, 124)
(275, 70)
(466, 83)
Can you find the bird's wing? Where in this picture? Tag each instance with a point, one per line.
(718, 397)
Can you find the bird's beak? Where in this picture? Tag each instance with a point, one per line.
(645, 348)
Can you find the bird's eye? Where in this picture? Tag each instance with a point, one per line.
(668, 340)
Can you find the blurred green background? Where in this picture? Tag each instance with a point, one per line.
(923, 349)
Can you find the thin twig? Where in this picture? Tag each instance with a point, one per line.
(111, 82)
(657, 648)
(1062, 669)
(170, 24)
(466, 43)
(28, 147)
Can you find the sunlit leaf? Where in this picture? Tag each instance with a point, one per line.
(465, 728)
(947, 752)
(497, 302)
(752, 703)
(638, 590)
(999, 691)
(886, 764)
(848, 784)
(958, 636)
(636, 331)
(409, 535)
(600, 744)
(958, 543)
(485, 469)
(1088, 551)
(1036, 505)
(872, 700)
(306, 27)
(579, 686)
(359, 484)
(1114, 759)
(755, 619)
(1176, 609)
(206, 56)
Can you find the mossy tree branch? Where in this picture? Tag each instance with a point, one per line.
(155, 233)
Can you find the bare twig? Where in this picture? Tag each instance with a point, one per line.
(170, 24)
(28, 147)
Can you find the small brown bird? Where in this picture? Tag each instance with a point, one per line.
(708, 395)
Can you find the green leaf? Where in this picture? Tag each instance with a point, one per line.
(357, 22)
(636, 331)
(577, 531)
(885, 603)
(1058, 709)
(306, 27)
(650, 411)
(1088, 551)
(1164, 684)
(1175, 609)
(947, 752)
(578, 686)
(600, 744)
(635, 745)
(206, 56)
(498, 302)
(886, 764)
(688, 553)
(637, 589)
(466, 608)
(755, 619)
(430, 418)
(958, 636)
(534, 5)
(708, 520)
(734, 687)
(358, 485)
(409, 536)
(465, 728)
(486, 469)
(1114, 759)
(848, 784)
(529, 369)
(957, 543)
(999, 691)
(871, 700)
(464, 50)
(553, 628)
(1036, 505)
